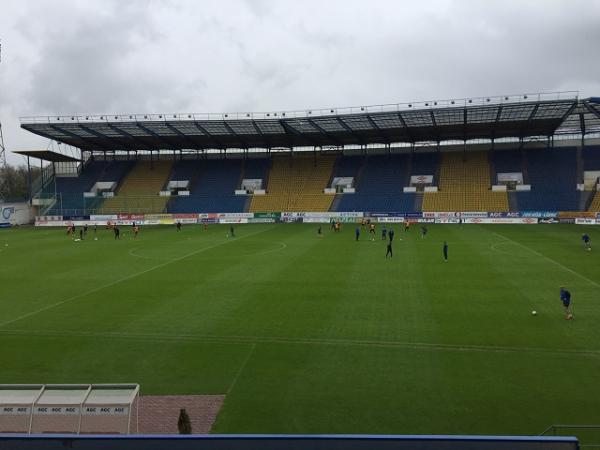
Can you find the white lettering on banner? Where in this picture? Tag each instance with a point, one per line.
(56, 410)
(15, 410)
(504, 220)
(446, 220)
(473, 214)
(236, 215)
(586, 221)
(104, 218)
(390, 219)
(440, 214)
(105, 410)
(233, 220)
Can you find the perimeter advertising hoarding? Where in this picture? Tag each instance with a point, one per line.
(503, 220)
(512, 214)
(267, 215)
(185, 218)
(540, 214)
(230, 216)
(105, 218)
(389, 219)
(586, 221)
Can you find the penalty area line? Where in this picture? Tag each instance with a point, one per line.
(535, 252)
(120, 280)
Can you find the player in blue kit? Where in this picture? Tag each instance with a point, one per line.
(565, 298)
(586, 241)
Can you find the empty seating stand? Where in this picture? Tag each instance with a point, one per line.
(465, 185)
(213, 183)
(296, 184)
(139, 192)
(70, 199)
(553, 179)
(380, 186)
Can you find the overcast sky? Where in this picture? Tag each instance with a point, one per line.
(153, 56)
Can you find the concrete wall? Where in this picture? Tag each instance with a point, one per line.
(16, 213)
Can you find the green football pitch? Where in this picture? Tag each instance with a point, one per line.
(316, 335)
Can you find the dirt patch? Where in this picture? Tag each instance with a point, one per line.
(159, 413)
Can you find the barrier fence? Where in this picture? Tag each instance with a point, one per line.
(523, 218)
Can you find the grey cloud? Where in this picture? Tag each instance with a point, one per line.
(110, 56)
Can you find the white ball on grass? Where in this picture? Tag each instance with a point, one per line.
(533, 313)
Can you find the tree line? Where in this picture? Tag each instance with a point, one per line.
(13, 180)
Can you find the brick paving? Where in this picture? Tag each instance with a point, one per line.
(159, 413)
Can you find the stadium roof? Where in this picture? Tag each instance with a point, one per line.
(46, 155)
(523, 116)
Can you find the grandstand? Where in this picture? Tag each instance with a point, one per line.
(296, 184)
(382, 173)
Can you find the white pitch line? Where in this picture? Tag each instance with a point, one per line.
(120, 280)
(247, 340)
(583, 277)
(241, 369)
(131, 253)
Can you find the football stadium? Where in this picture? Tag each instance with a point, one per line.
(283, 275)
(347, 271)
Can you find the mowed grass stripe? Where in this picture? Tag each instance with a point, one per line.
(343, 340)
(127, 278)
(254, 340)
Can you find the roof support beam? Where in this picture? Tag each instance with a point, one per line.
(407, 130)
(157, 136)
(380, 132)
(326, 133)
(231, 130)
(262, 135)
(567, 114)
(217, 144)
(130, 136)
(76, 136)
(437, 132)
(101, 136)
(297, 133)
(351, 131)
(591, 109)
(194, 144)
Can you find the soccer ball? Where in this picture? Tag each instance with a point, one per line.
(533, 313)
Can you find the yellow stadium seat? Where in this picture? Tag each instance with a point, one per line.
(465, 185)
(296, 184)
(139, 193)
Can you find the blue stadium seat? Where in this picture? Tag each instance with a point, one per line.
(553, 179)
(380, 187)
(70, 199)
(213, 188)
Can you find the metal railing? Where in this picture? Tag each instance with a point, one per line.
(290, 114)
